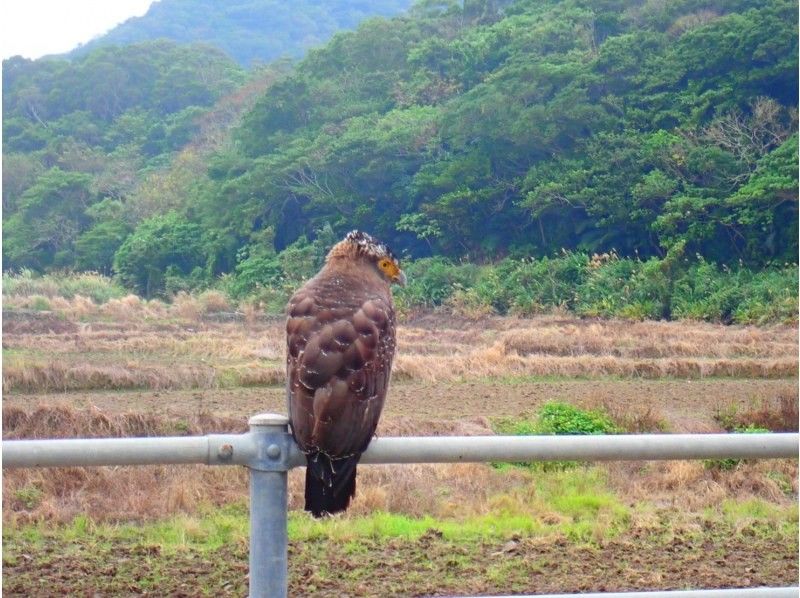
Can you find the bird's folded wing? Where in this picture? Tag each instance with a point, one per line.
(338, 372)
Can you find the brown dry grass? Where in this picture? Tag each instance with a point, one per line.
(57, 376)
(60, 377)
(149, 492)
(132, 308)
(633, 419)
(214, 302)
(778, 415)
(153, 492)
(114, 493)
(496, 362)
(693, 485)
(553, 346)
(61, 421)
(186, 306)
(129, 343)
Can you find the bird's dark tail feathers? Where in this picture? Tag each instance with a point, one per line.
(330, 483)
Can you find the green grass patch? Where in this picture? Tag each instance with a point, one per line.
(208, 530)
(573, 510)
(575, 504)
(757, 517)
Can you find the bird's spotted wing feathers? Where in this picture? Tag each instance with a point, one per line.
(339, 359)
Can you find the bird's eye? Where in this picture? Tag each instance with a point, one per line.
(388, 267)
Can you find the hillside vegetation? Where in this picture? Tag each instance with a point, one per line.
(642, 127)
(85, 144)
(660, 138)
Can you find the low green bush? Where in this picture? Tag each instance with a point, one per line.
(39, 303)
(720, 294)
(432, 281)
(557, 418)
(562, 418)
(527, 286)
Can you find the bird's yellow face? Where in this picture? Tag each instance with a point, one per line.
(378, 253)
(392, 271)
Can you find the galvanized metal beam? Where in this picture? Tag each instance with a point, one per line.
(269, 540)
(453, 449)
(239, 449)
(215, 449)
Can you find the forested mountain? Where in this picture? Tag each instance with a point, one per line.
(642, 127)
(250, 30)
(562, 124)
(79, 136)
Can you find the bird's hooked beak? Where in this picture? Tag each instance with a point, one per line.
(400, 278)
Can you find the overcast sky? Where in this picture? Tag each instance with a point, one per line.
(34, 28)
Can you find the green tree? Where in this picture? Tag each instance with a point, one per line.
(161, 243)
(50, 216)
(95, 249)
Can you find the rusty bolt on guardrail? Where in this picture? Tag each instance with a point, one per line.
(225, 452)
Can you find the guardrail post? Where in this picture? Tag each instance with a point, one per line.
(269, 559)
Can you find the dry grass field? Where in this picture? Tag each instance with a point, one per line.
(132, 368)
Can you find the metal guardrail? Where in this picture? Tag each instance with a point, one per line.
(269, 452)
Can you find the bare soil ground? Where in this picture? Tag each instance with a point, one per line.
(428, 566)
(685, 405)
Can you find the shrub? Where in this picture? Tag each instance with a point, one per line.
(707, 292)
(626, 288)
(214, 302)
(162, 246)
(26, 283)
(527, 286)
(558, 418)
(96, 287)
(28, 497)
(776, 415)
(468, 304)
(258, 268)
(431, 281)
(769, 296)
(562, 418)
(600, 286)
(270, 278)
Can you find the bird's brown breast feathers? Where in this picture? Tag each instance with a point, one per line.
(340, 340)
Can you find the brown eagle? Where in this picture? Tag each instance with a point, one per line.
(340, 336)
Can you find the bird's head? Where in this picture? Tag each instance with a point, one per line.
(360, 245)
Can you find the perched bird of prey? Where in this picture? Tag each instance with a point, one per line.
(340, 336)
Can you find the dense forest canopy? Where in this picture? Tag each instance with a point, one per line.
(78, 136)
(250, 31)
(474, 132)
(566, 124)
